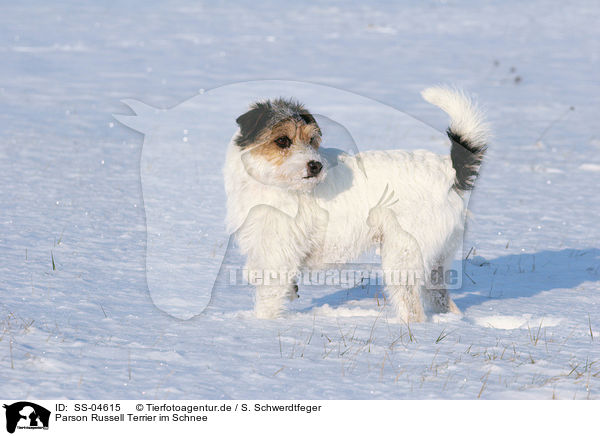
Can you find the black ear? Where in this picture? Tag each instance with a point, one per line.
(308, 118)
(252, 123)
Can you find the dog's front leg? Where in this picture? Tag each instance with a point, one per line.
(270, 300)
(275, 284)
(274, 248)
(274, 287)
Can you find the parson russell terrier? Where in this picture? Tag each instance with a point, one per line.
(293, 206)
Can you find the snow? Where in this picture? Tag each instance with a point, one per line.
(590, 167)
(72, 190)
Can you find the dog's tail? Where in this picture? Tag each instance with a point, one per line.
(468, 132)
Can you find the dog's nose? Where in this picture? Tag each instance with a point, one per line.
(314, 167)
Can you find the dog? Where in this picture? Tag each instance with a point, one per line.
(293, 206)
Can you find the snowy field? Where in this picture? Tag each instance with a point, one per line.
(76, 316)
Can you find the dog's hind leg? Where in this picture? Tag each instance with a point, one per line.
(438, 301)
(401, 260)
(403, 274)
(436, 296)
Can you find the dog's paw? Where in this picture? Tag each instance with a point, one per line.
(267, 312)
(453, 308)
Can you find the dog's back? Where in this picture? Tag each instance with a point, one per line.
(425, 203)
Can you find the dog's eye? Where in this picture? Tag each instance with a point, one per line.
(283, 142)
(314, 140)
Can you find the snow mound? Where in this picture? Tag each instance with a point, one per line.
(515, 322)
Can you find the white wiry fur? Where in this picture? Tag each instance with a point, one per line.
(406, 202)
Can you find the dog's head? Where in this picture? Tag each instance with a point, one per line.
(279, 140)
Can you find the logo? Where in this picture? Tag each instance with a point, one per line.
(26, 415)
